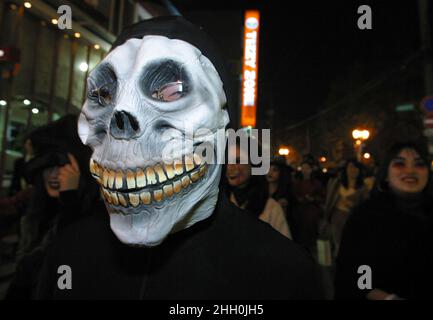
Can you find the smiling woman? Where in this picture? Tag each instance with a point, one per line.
(392, 233)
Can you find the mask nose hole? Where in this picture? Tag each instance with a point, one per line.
(124, 125)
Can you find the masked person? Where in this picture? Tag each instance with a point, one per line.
(173, 234)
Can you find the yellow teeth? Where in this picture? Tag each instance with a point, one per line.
(122, 188)
(157, 194)
(111, 177)
(105, 178)
(92, 167)
(189, 163)
(177, 186)
(161, 175)
(122, 200)
(178, 167)
(185, 181)
(168, 190)
(130, 179)
(195, 176)
(134, 199)
(107, 195)
(151, 177)
(119, 180)
(141, 179)
(170, 170)
(145, 198)
(202, 171)
(114, 199)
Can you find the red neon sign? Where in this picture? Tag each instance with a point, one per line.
(250, 68)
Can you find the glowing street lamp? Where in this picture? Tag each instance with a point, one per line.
(360, 134)
(283, 151)
(84, 67)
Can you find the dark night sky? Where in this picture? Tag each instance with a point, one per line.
(305, 46)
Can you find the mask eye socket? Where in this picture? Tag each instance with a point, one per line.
(169, 92)
(102, 95)
(102, 86)
(165, 81)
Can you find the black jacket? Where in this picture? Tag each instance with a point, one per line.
(230, 255)
(394, 237)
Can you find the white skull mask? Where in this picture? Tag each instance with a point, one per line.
(142, 99)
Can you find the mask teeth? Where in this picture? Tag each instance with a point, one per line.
(169, 169)
(119, 179)
(130, 179)
(189, 163)
(160, 173)
(145, 198)
(178, 167)
(141, 179)
(173, 178)
(158, 195)
(134, 199)
(111, 178)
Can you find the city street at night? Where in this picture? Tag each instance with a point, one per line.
(206, 151)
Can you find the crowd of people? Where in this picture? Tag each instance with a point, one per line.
(383, 221)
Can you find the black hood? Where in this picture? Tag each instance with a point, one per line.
(175, 27)
(52, 143)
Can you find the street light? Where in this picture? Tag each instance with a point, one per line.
(360, 135)
(84, 67)
(283, 151)
(367, 155)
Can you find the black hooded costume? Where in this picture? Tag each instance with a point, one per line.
(230, 255)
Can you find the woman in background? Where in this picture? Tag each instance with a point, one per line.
(280, 188)
(391, 235)
(250, 192)
(343, 193)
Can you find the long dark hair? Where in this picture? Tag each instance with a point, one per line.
(284, 187)
(359, 179)
(255, 194)
(381, 185)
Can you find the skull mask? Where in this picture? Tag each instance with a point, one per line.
(142, 99)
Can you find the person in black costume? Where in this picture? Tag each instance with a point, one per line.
(63, 192)
(391, 233)
(222, 254)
